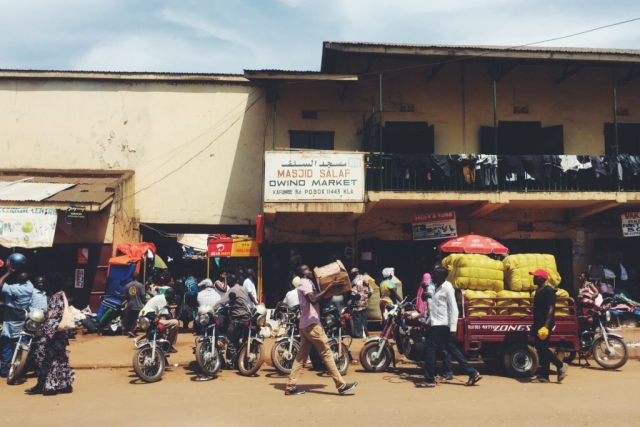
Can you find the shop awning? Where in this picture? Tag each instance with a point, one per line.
(60, 189)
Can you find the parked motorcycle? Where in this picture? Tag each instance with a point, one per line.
(22, 349)
(286, 347)
(249, 357)
(152, 352)
(608, 349)
(403, 323)
(210, 346)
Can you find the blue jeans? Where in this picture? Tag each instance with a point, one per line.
(7, 345)
(441, 335)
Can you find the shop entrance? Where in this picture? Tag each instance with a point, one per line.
(280, 260)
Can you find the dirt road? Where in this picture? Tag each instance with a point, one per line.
(108, 397)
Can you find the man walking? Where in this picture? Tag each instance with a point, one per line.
(544, 308)
(311, 333)
(360, 287)
(444, 323)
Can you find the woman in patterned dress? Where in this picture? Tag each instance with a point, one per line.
(54, 374)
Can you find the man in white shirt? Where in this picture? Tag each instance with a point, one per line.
(291, 299)
(249, 285)
(159, 304)
(444, 323)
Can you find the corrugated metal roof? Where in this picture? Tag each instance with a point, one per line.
(72, 188)
(296, 75)
(27, 191)
(606, 51)
(123, 75)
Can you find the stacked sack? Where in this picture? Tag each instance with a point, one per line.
(518, 267)
(517, 301)
(479, 301)
(475, 272)
(562, 307)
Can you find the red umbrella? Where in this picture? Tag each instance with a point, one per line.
(473, 244)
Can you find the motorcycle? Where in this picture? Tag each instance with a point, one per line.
(377, 353)
(608, 349)
(22, 349)
(285, 349)
(152, 352)
(249, 357)
(334, 322)
(210, 347)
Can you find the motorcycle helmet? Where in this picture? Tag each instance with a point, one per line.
(17, 261)
(260, 312)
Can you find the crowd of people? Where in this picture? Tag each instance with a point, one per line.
(46, 294)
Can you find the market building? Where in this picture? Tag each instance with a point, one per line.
(370, 159)
(124, 157)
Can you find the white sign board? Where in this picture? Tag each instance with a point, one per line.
(435, 226)
(313, 176)
(631, 224)
(27, 227)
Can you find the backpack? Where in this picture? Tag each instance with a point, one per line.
(191, 286)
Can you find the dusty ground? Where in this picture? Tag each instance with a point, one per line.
(589, 396)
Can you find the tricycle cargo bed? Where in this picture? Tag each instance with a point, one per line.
(479, 331)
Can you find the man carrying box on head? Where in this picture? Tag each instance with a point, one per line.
(311, 333)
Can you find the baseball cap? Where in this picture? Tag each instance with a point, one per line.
(540, 273)
(355, 270)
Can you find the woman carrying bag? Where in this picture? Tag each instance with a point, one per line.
(55, 374)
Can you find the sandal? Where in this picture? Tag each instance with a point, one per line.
(425, 384)
(473, 380)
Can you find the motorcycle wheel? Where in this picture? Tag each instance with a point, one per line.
(212, 366)
(250, 360)
(371, 361)
(340, 356)
(610, 361)
(521, 360)
(16, 368)
(151, 372)
(281, 358)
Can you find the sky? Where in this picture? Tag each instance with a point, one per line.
(227, 36)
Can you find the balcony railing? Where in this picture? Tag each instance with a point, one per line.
(429, 173)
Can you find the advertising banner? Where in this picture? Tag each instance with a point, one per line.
(435, 226)
(222, 248)
(314, 176)
(631, 224)
(27, 227)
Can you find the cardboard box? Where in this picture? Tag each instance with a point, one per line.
(333, 272)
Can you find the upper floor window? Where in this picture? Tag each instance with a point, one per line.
(522, 138)
(628, 138)
(313, 140)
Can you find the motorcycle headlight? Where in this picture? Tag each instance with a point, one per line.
(203, 319)
(328, 320)
(262, 320)
(31, 325)
(608, 316)
(143, 323)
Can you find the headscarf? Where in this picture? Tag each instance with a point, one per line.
(206, 283)
(387, 273)
(426, 278)
(421, 305)
(295, 282)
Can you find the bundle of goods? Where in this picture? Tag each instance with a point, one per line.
(330, 273)
(562, 307)
(518, 267)
(518, 299)
(475, 272)
(479, 302)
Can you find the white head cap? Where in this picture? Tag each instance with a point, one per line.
(388, 272)
(295, 282)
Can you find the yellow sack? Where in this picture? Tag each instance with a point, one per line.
(518, 267)
(480, 298)
(475, 272)
(514, 302)
(478, 312)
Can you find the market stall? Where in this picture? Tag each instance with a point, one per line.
(233, 253)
